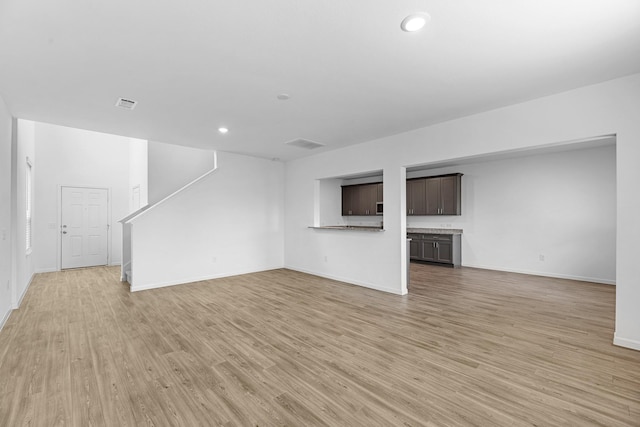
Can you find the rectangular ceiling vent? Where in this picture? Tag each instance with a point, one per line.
(304, 143)
(127, 104)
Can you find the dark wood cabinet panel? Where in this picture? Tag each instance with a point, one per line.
(416, 203)
(368, 197)
(436, 248)
(438, 195)
(347, 200)
(432, 196)
(415, 246)
(380, 197)
(415, 249)
(360, 199)
(450, 195)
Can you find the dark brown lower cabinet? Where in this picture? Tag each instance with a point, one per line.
(435, 248)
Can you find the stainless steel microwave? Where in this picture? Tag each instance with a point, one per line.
(379, 208)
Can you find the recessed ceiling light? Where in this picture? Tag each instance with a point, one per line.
(223, 130)
(283, 96)
(414, 22)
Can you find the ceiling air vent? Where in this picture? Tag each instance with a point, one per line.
(125, 103)
(304, 143)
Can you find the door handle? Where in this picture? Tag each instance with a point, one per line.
(64, 232)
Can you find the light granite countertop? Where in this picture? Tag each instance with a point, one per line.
(349, 228)
(435, 230)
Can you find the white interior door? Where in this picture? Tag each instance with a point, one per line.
(84, 227)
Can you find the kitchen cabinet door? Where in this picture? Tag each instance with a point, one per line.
(348, 197)
(415, 246)
(416, 204)
(444, 252)
(429, 251)
(450, 195)
(432, 196)
(367, 198)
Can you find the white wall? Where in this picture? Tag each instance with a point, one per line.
(5, 213)
(23, 262)
(559, 205)
(229, 223)
(173, 166)
(377, 259)
(77, 158)
(138, 173)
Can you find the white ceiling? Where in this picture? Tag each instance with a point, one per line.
(352, 74)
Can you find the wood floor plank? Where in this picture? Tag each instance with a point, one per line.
(466, 347)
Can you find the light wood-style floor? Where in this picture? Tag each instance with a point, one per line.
(466, 347)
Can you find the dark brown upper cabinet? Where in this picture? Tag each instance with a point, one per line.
(361, 199)
(416, 201)
(436, 195)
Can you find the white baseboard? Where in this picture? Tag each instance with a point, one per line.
(545, 274)
(625, 342)
(195, 279)
(26, 288)
(348, 281)
(55, 269)
(17, 305)
(5, 318)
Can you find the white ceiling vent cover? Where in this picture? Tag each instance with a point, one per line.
(304, 143)
(127, 104)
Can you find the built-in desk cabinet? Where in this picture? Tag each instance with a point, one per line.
(435, 248)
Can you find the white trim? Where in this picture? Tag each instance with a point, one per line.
(29, 203)
(46, 270)
(544, 274)
(625, 342)
(5, 318)
(21, 297)
(349, 281)
(135, 215)
(197, 279)
(17, 304)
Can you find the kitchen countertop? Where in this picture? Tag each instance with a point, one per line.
(349, 228)
(435, 230)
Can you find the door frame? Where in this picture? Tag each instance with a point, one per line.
(59, 222)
